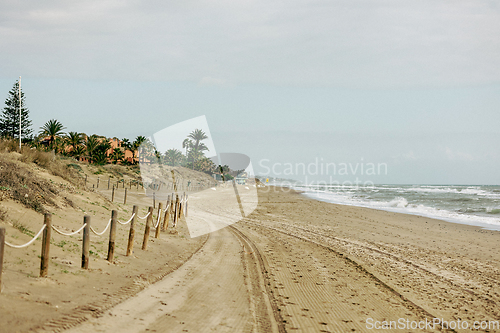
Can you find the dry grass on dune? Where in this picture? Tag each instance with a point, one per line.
(20, 178)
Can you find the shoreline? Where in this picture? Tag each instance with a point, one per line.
(482, 225)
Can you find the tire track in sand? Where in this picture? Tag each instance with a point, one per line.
(206, 294)
(320, 290)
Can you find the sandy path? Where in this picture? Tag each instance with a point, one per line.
(207, 293)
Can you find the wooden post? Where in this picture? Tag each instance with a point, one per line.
(97, 182)
(125, 197)
(131, 233)
(113, 194)
(44, 262)
(154, 200)
(112, 236)
(146, 229)
(158, 227)
(86, 242)
(181, 206)
(130, 183)
(186, 205)
(2, 244)
(176, 211)
(137, 184)
(166, 217)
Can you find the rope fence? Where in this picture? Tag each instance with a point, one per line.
(142, 218)
(155, 186)
(27, 244)
(70, 234)
(174, 210)
(101, 233)
(130, 220)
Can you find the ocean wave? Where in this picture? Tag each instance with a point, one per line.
(468, 215)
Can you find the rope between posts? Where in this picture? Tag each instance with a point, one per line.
(71, 233)
(100, 233)
(158, 220)
(142, 218)
(29, 243)
(127, 221)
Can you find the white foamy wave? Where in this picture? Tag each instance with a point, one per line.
(401, 205)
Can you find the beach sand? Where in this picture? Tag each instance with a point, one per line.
(294, 265)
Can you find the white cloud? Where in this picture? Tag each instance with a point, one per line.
(343, 43)
(410, 155)
(457, 155)
(210, 81)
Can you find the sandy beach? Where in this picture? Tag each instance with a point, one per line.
(293, 265)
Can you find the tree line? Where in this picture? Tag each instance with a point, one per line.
(94, 148)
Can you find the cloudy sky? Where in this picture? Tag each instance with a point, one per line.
(413, 84)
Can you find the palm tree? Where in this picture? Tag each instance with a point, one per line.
(117, 155)
(196, 146)
(90, 145)
(187, 144)
(99, 155)
(78, 152)
(197, 135)
(173, 156)
(52, 129)
(137, 143)
(75, 140)
(60, 145)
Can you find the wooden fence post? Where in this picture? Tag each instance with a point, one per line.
(2, 243)
(112, 236)
(181, 206)
(125, 197)
(113, 194)
(44, 262)
(158, 227)
(146, 229)
(186, 199)
(86, 242)
(154, 200)
(131, 233)
(176, 211)
(167, 214)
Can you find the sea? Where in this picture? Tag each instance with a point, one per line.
(477, 205)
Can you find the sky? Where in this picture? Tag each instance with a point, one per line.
(412, 85)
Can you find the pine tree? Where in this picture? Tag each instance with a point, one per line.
(9, 120)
